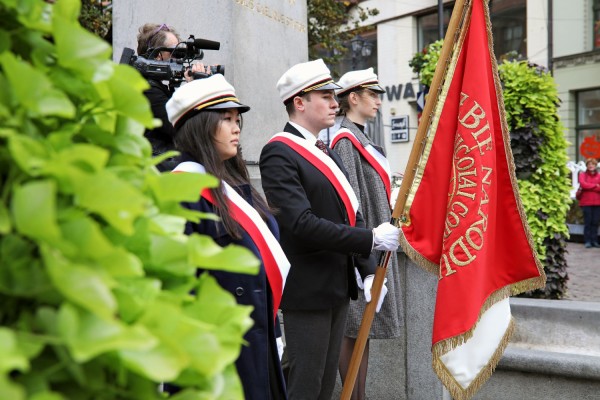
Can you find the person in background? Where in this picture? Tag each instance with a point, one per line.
(322, 233)
(369, 175)
(206, 115)
(153, 36)
(589, 181)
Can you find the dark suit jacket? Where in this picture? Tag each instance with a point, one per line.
(253, 363)
(315, 234)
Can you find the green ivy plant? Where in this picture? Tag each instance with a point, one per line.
(97, 282)
(424, 62)
(539, 149)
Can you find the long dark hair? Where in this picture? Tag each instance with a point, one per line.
(196, 138)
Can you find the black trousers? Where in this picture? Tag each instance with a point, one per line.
(313, 343)
(591, 219)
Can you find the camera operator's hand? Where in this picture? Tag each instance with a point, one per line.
(196, 67)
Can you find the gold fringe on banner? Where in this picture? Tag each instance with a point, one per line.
(456, 389)
(417, 258)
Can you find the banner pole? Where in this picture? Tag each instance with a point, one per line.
(417, 150)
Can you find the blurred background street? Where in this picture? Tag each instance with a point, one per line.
(584, 273)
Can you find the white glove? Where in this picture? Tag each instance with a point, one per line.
(279, 341)
(386, 237)
(368, 282)
(359, 280)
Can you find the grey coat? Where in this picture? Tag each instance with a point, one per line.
(375, 209)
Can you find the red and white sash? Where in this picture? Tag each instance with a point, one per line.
(369, 153)
(326, 166)
(276, 263)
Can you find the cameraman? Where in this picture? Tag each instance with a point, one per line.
(152, 36)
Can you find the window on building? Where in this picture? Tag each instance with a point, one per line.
(588, 124)
(596, 13)
(428, 26)
(509, 26)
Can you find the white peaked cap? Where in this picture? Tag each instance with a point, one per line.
(358, 80)
(303, 78)
(209, 93)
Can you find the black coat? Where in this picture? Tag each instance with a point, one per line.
(253, 363)
(315, 234)
(160, 138)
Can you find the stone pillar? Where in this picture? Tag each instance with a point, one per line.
(260, 40)
(400, 369)
(421, 289)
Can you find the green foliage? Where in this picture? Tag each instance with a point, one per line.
(539, 149)
(96, 16)
(97, 280)
(425, 61)
(325, 21)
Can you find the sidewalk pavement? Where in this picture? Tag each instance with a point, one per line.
(584, 273)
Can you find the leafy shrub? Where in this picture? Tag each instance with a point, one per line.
(539, 149)
(425, 61)
(531, 102)
(97, 280)
(96, 17)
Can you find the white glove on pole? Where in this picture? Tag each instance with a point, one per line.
(368, 282)
(359, 280)
(279, 341)
(386, 237)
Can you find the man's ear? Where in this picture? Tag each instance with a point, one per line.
(353, 98)
(299, 103)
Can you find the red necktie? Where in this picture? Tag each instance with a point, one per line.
(321, 145)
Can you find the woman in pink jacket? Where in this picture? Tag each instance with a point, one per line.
(590, 202)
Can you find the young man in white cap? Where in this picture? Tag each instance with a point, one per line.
(322, 233)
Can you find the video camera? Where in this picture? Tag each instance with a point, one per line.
(174, 69)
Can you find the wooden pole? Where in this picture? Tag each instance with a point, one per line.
(409, 175)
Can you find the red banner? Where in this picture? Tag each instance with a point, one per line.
(464, 218)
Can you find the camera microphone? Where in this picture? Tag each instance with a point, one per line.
(207, 44)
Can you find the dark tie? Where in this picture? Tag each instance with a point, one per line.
(321, 145)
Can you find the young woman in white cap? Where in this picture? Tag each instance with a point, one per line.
(206, 115)
(369, 176)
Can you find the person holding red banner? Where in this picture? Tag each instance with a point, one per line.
(369, 175)
(322, 231)
(589, 181)
(206, 115)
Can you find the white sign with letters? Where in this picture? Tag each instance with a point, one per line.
(399, 129)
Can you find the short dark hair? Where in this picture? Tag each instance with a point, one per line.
(290, 108)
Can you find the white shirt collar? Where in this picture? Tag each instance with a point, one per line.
(305, 133)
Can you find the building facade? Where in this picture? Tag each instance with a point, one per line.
(576, 68)
(562, 36)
